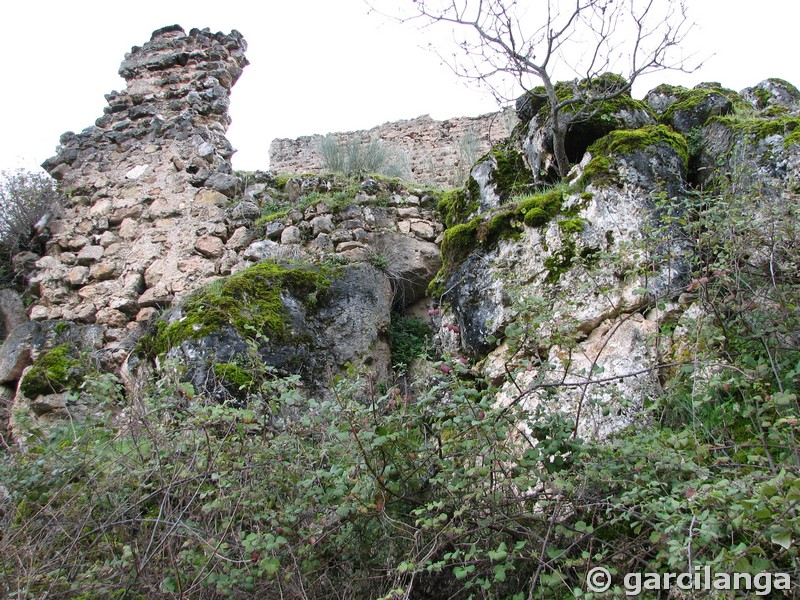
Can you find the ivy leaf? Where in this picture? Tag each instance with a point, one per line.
(782, 538)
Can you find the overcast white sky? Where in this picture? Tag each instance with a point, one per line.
(316, 65)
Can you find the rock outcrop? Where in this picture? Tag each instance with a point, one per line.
(567, 286)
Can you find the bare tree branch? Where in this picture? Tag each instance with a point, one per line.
(506, 41)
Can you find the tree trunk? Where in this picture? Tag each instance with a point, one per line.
(559, 143)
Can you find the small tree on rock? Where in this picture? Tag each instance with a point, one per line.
(530, 43)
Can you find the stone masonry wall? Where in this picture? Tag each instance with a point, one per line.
(144, 221)
(437, 152)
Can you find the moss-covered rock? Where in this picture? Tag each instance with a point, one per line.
(498, 176)
(250, 301)
(457, 206)
(773, 92)
(693, 108)
(601, 169)
(56, 371)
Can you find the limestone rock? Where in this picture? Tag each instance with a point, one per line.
(685, 110)
(90, 254)
(209, 246)
(345, 325)
(411, 264)
(12, 312)
(773, 92)
(584, 128)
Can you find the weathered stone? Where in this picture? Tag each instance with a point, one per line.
(245, 211)
(103, 271)
(101, 208)
(424, 230)
(209, 246)
(90, 254)
(274, 229)
(322, 224)
(210, 197)
(15, 353)
(155, 297)
(111, 317)
(126, 212)
(291, 235)
(322, 243)
(411, 264)
(240, 238)
(341, 235)
(12, 312)
(129, 229)
(146, 314)
(772, 92)
(223, 183)
(261, 250)
(78, 276)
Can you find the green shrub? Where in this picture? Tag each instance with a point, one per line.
(354, 157)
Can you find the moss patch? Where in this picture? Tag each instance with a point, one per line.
(456, 206)
(250, 301)
(622, 142)
(234, 376)
(511, 175)
(54, 372)
(563, 260)
(758, 128)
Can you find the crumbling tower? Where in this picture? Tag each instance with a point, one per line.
(144, 220)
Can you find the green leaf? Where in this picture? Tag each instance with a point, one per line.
(499, 554)
(782, 538)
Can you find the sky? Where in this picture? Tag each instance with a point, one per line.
(316, 66)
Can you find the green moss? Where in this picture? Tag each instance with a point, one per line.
(792, 138)
(689, 100)
(598, 171)
(511, 174)
(547, 204)
(458, 241)
(758, 128)
(233, 375)
(456, 206)
(250, 301)
(620, 142)
(572, 226)
(536, 217)
(503, 225)
(282, 178)
(61, 327)
(54, 372)
(563, 260)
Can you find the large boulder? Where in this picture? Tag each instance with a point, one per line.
(685, 110)
(773, 93)
(289, 318)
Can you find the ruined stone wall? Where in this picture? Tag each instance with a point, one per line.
(143, 220)
(438, 152)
